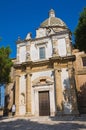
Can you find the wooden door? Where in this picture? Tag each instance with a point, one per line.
(44, 103)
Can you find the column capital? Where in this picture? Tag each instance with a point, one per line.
(17, 75)
(58, 70)
(28, 74)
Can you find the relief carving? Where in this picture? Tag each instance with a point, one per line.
(68, 49)
(28, 56)
(55, 49)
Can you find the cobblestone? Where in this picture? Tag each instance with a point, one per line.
(43, 123)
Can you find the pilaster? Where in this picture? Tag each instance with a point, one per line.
(58, 87)
(28, 94)
(17, 95)
(73, 91)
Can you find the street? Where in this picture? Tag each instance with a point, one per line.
(43, 123)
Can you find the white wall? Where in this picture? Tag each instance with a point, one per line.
(34, 52)
(62, 47)
(41, 32)
(49, 49)
(42, 73)
(22, 54)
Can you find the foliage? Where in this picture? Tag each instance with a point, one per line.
(5, 65)
(80, 32)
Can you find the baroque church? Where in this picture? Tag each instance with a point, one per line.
(43, 72)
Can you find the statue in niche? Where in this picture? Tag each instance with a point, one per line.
(55, 49)
(28, 56)
(22, 98)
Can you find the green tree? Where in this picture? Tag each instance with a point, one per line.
(80, 32)
(5, 65)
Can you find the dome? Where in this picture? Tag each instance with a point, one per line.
(53, 21)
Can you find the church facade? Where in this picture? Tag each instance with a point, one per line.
(44, 71)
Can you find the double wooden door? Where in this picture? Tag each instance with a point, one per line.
(44, 103)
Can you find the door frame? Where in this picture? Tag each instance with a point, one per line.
(48, 102)
(35, 99)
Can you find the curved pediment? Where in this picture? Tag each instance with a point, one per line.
(43, 80)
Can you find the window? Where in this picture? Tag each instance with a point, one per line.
(42, 52)
(84, 61)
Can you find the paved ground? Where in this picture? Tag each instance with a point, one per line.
(43, 123)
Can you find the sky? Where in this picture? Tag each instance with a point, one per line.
(19, 17)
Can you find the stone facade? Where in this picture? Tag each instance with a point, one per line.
(44, 71)
(80, 76)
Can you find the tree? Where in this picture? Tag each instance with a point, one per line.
(80, 32)
(5, 65)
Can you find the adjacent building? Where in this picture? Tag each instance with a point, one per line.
(80, 76)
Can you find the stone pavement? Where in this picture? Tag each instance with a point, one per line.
(44, 123)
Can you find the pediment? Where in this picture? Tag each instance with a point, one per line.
(41, 81)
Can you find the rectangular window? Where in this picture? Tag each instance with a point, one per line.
(42, 52)
(84, 61)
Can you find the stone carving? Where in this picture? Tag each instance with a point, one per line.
(68, 49)
(50, 31)
(22, 97)
(28, 37)
(55, 49)
(28, 56)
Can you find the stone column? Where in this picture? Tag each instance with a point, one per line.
(17, 95)
(58, 87)
(28, 94)
(73, 91)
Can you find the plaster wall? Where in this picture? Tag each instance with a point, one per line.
(66, 91)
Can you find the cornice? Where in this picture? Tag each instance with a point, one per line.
(63, 59)
(45, 61)
(81, 72)
(45, 37)
(23, 64)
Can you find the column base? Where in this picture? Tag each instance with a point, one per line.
(28, 114)
(17, 114)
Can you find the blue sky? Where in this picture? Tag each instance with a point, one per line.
(18, 17)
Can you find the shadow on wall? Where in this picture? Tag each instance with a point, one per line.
(6, 109)
(9, 102)
(69, 103)
(82, 99)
